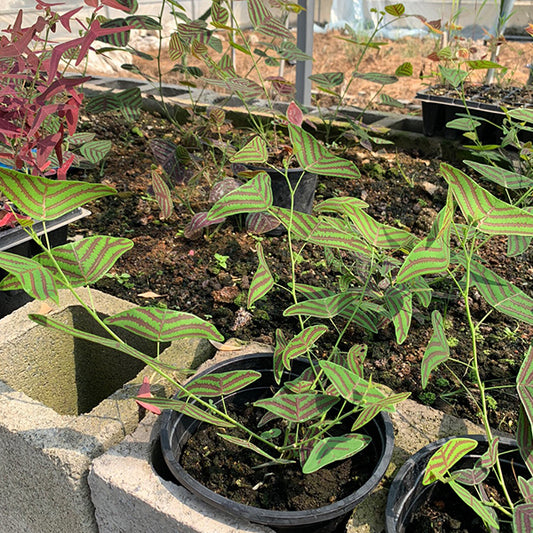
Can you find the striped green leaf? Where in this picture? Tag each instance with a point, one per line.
(432, 254)
(445, 457)
(143, 22)
(119, 39)
(524, 439)
(219, 15)
(485, 513)
(479, 64)
(516, 244)
(372, 410)
(262, 281)
(356, 357)
(277, 356)
(264, 22)
(377, 77)
(255, 151)
(176, 47)
(194, 229)
(489, 458)
(45, 199)
(471, 476)
(501, 176)
(521, 114)
(162, 195)
(302, 343)
(259, 223)
(250, 446)
(399, 302)
(303, 383)
(188, 409)
(321, 307)
(501, 294)
(130, 103)
(463, 124)
(220, 384)
(380, 235)
(82, 262)
(48, 322)
(437, 350)
(396, 10)
(288, 50)
(298, 408)
(349, 385)
(404, 70)
(524, 384)
(252, 197)
(30, 275)
(491, 215)
(526, 489)
(328, 80)
(315, 158)
(422, 291)
(331, 449)
(102, 103)
(453, 76)
(95, 151)
(164, 325)
(385, 99)
(343, 205)
(523, 518)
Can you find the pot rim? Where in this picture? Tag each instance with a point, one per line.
(265, 516)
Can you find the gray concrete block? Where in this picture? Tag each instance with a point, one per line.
(64, 402)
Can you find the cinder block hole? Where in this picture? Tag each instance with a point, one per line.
(72, 376)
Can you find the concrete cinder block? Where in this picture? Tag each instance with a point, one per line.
(64, 402)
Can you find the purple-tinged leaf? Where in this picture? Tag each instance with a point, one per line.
(260, 223)
(523, 518)
(315, 158)
(526, 489)
(356, 357)
(252, 197)
(219, 15)
(490, 214)
(255, 151)
(223, 187)
(294, 114)
(303, 383)
(331, 449)
(46, 199)
(195, 227)
(166, 155)
(516, 244)
(445, 457)
(399, 302)
(524, 438)
(486, 513)
(82, 262)
(143, 22)
(302, 343)
(489, 458)
(298, 408)
(277, 356)
(189, 409)
(162, 195)
(118, 39)
(437, 351)
(385, 99)
(432, 254)
(36, 280)
(262, 281)
(220, 384)
(217, 116)
(505, 178)
(471, 476)
(164, 325)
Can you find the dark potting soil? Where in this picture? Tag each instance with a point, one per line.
(235, 472)
(489, 94)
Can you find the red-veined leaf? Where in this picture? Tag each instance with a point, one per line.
(486, 513)
(399, 302)
(437, 351)
(220, 384)
(298, 408)
(523, 518)
(262, 281)
(396, 10)
(445, 457)
(302, 343)
(255, 151)
(162, 195)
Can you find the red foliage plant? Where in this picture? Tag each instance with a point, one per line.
(39, 101)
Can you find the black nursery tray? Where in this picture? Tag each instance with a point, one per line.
(438, 110)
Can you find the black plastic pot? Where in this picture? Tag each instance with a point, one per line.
(17, 241)
(176, 429)
(407, 494)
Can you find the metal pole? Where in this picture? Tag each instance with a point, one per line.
(304, 41)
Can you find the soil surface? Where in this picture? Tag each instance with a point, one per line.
(210, 276)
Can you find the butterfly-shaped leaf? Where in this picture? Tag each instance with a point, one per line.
(302, 343)
(331, 449)
(102, 103)
(501, 176)
(288, 50)
(437, 351)
(30, 275)
(399, 302)
(463, 124)
(117, 39)
(46, 199)
(370, 411)
(471, 476)
(252, 197)
(165, 153)
(262, 281)
(489, 458)
(298, 408)
(259, 223)
(162, 195)
(404, 70)
(143, 22)
(315, 158)
(328, 80)
(95, 151)
(344, 205)
(82, 262)
(523, 518)
(255, 151)
(491, 215)
(396, 10)
(453, 76)
(522, 114)
(385, 99)
(164, 325)
(220, 384)
(321, 307)
(526, 489)
(445, 457)
(356, 357)
(479, 64)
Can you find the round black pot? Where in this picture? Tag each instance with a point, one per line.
(176, 429)
(407, 494)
